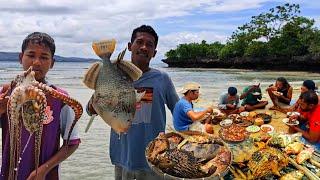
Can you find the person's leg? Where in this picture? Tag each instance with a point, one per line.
(273, 97)
(259, 105)
(146, 175)
(122, 174)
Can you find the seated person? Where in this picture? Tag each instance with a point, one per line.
(307, 85)
(229, 101)
(251, 97)
(309, 104)
(183, 113)
(279, 93)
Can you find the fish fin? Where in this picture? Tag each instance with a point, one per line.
(90, 78)
(130, 69)
(104, 49)
(139, 95)
(121, 55)
(127, 67)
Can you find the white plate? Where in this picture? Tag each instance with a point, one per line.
(286, 121)
(293, 113)
(269, 126)
(253, 129)
(244, 114)
(226, 122)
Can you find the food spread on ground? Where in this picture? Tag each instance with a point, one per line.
(188, 155)
(259, 151)
(233, 133)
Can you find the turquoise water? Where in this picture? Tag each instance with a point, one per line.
(91, 160)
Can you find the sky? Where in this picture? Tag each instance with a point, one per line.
(75, 24)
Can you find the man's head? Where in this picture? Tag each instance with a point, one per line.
(143, 45)
(191, 90)
(308, 85)
(282, 83)
(232, 91)
(309, 100)
(37, 51)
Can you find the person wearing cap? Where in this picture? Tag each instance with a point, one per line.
(251, 98)
(229, 101)
(183, 113)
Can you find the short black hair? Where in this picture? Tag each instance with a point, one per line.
(309, 84)
(310, 97)
(232, 91)
(41, 39)
(146, 29)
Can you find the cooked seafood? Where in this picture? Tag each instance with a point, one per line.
(267, 161)
(197, 155)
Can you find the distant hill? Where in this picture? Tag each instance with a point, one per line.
(13, 56)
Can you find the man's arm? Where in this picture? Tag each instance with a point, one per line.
(171, 95)
(311, 136)
(3, 99)
(194, 116)
(287, 99)
(63, 153)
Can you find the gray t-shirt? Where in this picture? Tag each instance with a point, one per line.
(223, 101)
(128, 150)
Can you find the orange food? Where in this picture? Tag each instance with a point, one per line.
(209, 128)
(266, 129)
(258, 121)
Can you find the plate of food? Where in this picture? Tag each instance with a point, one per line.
(256, 93)
(244, 114)
(226, 123)
(233, 133)
(267, 128)
(245, 123)
(266, 117)
(253, 129)
(290, 122)
(293, 113)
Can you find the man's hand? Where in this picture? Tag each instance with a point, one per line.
(40, 176)
(231, 106)
(3, 102)
(209, 110)
(90, 108)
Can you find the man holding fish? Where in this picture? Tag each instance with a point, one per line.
(127, 149)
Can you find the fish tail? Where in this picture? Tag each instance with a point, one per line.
(105, 48)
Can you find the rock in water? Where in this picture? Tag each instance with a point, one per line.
(114, 98)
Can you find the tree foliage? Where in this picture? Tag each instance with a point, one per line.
(278, 32)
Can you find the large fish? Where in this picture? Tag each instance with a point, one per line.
(114, 98)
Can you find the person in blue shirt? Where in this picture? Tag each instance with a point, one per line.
(183, 113)
(127, 151)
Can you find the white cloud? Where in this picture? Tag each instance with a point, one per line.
(75, 24)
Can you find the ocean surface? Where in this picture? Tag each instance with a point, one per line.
(91, 160)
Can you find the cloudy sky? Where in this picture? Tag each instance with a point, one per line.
(75, 24)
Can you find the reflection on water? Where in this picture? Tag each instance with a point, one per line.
(91, 160)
